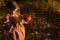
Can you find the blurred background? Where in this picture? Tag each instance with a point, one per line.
(45, 23)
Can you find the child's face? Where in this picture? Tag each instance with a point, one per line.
(16, 12)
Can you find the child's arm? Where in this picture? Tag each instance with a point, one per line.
(24, 22)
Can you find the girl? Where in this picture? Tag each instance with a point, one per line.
(15, 21)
